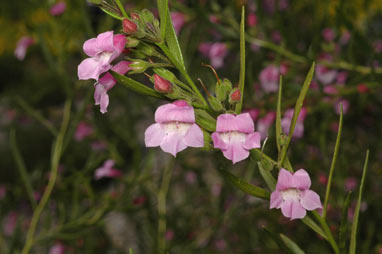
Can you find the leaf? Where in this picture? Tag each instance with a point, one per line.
(344, 224)
(172, 40)
(297, 109)
(335, 155)
(277, 239)
(244, 186)
(112, 14)
(278, 116)
(310, 223)
(291, 245)
(242, 61)
(205, 120)
(163, 10)
(136, 86)
(353, 238)
(267, 176)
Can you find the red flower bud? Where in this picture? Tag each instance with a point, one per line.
(129, 27)
(134, 16)
(162, 85)
(236, 95)
(362, 88)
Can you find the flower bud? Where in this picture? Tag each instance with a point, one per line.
(129, 27)
(223, 89)
(138, 66)
(162, 85)
(215, 104)
(131, 42)
(235, 96)
(135, 16)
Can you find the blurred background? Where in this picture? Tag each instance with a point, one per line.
(147, 199)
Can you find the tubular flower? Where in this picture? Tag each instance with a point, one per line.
(235, 136)
(107, 170)
(22, 46)
(293, 196)
(107, 82)
(175, 128)
(102, 51)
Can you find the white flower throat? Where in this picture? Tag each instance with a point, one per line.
(233, 137)
(291, 194)
(176, 127)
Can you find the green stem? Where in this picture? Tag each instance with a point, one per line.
(327, 231)
(21, 167)
(162, 194)
(182, 71)
(242, 62)
(52, 179)
(120, 6)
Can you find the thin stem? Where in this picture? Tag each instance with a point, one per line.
(162, 194)
(52, 179)
(327, 231)
(120, 6)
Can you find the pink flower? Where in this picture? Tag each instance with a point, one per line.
(216, 52)
(331, 89)
(102, 51)
(328, 34)
(169, 235)
(345, 37)
(3, 191)
(22, 46)
(58, 248)
(263, 124)
(269, 78)
(254, 113)
(287, 119)
(10, 222)
(235, 136)
(350, 184)
(345, 106)
(325, 75)
(293, 196)
(175, 128)
(107, 82)
(251, 19)
(107, 170)
(58, 9)
(341, 77)
(83, 130)
(178, 21)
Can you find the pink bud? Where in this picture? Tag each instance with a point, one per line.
(236, 95)
(362, 88)
(252, 19)
(135, 16)
(129, 27)
(57, 9)
(162, 85)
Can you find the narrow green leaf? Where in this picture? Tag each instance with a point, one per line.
(278, 115)
(242, 61)
(344, 224)
(291, 245)
(310, 223)
(353, 239)
(297, 109)
(277, 239)
(121, 8)
(136, 86)
(335, 155)
(112, 14)
(172, 40)
(327, 231)
(163, 10)
(267, 176)
(205, 120)
(244, 186)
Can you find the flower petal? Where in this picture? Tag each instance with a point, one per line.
(194, 137)
(109, 164)
(235, 153)
(173, 144)
(174, 113)
(105, 41)
(293, 209)
(229, 122)
(90, 47)
(284, 180)
(101, 98)
(310, 200)
(301, 180)
(91, 68)
(252, 141)
(276, 200)
(154, 135)
(119, 42)
(218, 142)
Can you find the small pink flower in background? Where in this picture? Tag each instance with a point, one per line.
(107, 170)
(107, 82)
(263, 124)
(3, 191)
(293, 196)
(235, 136)
(216, 52)
(99, 145)
(362, 88)
(330, 89)
(58, 248)
(178, 20)
(276, 37)
(325, 75)
(10, 222)
(269, 78)
(251, 19)
(102, 51)
(254, 113)
(175, 128)
(314, 85)
(83, 130)
(351, 183)
(284, 67)
(254, 47)
(37, 195)
(139, 200)
(22, 46)
(322, 179)
(378, 46)
(345, 37)
(342, 77)
(169, 235)
(213, 19)
(287, 119)
(345, 106)
(220, 245)
(58, 9)
(190, 177)
(328, 34)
